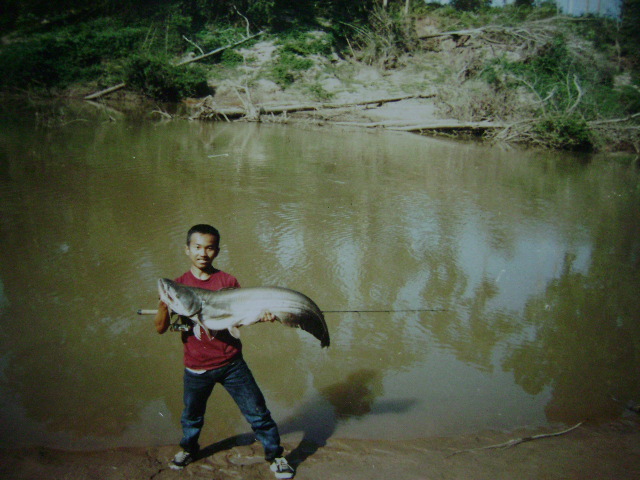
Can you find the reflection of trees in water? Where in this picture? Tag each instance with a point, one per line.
(586, 347)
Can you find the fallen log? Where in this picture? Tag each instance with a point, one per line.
(450, 126)
(209, 111)
(454, 33)
(325, 106)
(106, 91)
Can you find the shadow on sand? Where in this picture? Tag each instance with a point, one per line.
(318, 419)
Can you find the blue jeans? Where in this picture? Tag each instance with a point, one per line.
(238, 380)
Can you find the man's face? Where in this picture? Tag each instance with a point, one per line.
(202, 249)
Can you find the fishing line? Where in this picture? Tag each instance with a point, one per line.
(388, 311)
(410, 310)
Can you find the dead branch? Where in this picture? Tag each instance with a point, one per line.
(580, 93)
(194, 44)
(162, 114)
(252, 112)
(221, 49)
(245, 19)
(597, 123)
(517, 441)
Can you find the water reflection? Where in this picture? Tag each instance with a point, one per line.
(532, 258)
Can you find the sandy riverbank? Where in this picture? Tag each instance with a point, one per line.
(609, 451)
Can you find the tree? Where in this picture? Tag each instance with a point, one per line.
(470, 5)
(630, 33)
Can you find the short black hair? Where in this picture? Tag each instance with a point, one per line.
(203, 229)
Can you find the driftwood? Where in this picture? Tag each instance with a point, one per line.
(523, 30)
(479, 126)
(109, 90)
(454, 33)
(106, 91)
(208, 109)
(401, 126)
(517, 441)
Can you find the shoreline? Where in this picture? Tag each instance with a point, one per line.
(606, 451)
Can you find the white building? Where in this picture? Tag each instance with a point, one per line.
(608, 8)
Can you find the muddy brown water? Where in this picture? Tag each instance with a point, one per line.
(528, 263)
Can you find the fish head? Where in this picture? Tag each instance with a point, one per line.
(180, 299)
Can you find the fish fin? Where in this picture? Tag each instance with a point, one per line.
(199, 327)
(198, 320)
(234, 331)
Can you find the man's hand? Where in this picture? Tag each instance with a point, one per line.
(162, 319)
(267, 316)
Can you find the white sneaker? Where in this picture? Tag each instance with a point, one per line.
(281, 468)
(181, 460)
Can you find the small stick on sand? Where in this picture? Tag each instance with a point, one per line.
(516, 441)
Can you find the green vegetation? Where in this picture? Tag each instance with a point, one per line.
(158, 78)
(66, 55)
(294, 51)
(558, 80)
(385, 36)
(554, 82)
(553, 78)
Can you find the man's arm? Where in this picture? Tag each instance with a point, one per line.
(162, 319)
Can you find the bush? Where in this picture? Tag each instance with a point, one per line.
(67, 55)
(308, 43)
(287, 68)
(553, 74)
(156, 77)
(385, 36)
(567, 132)
(470, 5)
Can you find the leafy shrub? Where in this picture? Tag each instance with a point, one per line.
(307, 43)
(287, 68)
(386, 35)
(30, 64)
(629, 31)
(470, 5)
(230, 58)
(567, 132)
(554, 75)
(216, 36)
(156, 77)
(319, 92)
(67, 55)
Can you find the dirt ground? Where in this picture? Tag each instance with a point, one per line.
(609, 451)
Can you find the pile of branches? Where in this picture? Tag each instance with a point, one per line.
(535, 79)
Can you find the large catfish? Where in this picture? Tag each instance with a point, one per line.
(232, 308)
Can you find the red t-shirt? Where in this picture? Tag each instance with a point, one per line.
(222, 348)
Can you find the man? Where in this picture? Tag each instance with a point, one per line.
(217, 358)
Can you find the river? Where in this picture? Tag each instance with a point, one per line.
(526, 264)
